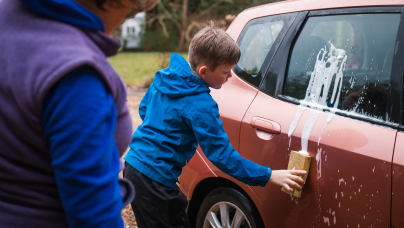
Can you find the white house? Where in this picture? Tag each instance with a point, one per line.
(132, 29)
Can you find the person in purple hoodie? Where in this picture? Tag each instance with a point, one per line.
(64, 121)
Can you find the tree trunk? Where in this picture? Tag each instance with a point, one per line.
(181, 42)
(184, 26)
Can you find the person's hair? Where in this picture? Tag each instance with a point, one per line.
(141, 5)
(213, 46)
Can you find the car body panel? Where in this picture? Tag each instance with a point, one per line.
(334, 188)
(230, 90)
(397, 218)
(197, 169)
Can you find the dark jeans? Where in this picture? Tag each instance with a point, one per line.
(156, 205)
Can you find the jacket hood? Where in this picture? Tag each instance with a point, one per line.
(177, 80)
(67, 11)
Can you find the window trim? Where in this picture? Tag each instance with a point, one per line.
(274, 78)
(343, 113)
(271, 53)
(275, 73)
(398, 74)
(359, 10)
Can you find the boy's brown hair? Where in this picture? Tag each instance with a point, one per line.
(213, 46)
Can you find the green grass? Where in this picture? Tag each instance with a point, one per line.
(136, 68)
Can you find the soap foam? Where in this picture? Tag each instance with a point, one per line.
(329, 66)
(304, 152)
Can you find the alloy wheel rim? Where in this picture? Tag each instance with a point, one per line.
(225, 215)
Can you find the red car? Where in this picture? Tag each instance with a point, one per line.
(322, 76)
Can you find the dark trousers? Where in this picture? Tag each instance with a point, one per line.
(156, 205)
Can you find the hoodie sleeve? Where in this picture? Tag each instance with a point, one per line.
(79, 119)
(202, 116)
(143, 104)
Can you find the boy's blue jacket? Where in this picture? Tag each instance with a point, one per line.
(178, 113)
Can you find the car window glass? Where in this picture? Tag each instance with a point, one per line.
(256, 41)
(344, 62)
(256, 45)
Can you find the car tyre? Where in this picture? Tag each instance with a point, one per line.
(226, 207)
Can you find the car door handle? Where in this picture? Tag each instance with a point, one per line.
(266, 125)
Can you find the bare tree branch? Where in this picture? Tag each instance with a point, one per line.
(176, 7)
(163, 25)
(151, 20)
(177, 12)
(207, 10)
(189, 29)
(169, 15)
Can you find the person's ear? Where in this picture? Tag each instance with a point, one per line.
(202, 71)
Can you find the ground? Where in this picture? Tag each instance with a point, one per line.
(128, 217)
(135, 94)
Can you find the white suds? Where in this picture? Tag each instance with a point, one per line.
(326, 220)
(329, 65)
(304, 152)
(318, 159)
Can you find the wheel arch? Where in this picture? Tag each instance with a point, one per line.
(204, 188)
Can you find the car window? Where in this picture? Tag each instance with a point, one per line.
(256, 40)
(344, 62)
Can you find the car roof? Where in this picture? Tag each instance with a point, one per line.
(300, 5)
(303, 5)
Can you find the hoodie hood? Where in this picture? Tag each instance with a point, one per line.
(67, 11)
(177, 80)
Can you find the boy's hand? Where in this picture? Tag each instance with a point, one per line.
(287, 178)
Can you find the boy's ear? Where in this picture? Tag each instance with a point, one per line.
(202, 71)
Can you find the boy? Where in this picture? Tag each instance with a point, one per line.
(178, 113)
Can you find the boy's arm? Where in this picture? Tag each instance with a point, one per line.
(203, 118)
(208, 129)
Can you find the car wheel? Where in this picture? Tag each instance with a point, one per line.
(226, 207)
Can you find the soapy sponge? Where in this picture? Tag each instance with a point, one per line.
(298, 161)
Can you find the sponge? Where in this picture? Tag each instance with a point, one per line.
(298, 161)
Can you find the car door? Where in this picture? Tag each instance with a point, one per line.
(330, 90)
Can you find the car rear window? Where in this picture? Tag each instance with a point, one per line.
(344, 62)
(256, 40)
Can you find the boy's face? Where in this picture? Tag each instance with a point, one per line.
(216, 78)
